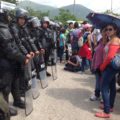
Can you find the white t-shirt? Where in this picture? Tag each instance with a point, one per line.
(78, 59)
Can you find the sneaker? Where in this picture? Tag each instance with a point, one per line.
(94, 98)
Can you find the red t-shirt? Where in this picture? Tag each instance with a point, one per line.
(112, 50)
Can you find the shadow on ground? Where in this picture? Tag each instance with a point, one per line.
(86, 81)
(77, 97)
(89, 81)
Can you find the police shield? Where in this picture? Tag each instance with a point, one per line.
(54, 58)
(28, 102)
(4, 108)
(28, 93)
(35, 86)
(54, 64)
(42, 73)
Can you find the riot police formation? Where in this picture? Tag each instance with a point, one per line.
(25, 43)
(9, 55)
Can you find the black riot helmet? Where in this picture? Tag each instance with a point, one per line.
(4, 16)
(5, 8)
(21, 13)
(45, 20)
(34, 21)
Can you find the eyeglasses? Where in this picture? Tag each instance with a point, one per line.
(109, 29)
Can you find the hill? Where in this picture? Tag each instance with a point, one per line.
(79, 11)
(37, 7)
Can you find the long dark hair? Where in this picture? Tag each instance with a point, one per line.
(115, 28)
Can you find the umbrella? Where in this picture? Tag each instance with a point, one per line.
(99, 20)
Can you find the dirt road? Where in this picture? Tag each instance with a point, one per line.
(67, 99)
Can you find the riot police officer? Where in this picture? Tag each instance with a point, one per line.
(9, 54)
(47, 40)
(28, 43)
(36, 35)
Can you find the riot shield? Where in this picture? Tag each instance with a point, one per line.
(42, 73)
(54, 64)
(4, 108)
(35, 87)
(28, 102)
(28, 92)
(54, 58)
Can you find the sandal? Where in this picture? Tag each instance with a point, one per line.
(102, 115)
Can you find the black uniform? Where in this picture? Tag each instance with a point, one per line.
(15, 33)
(47, 43)
(15, 89)
(9, 55)
(36, 34)
(25, 38)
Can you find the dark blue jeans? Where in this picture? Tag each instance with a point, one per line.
(108, 88)
(85, 64)
(61, 52)
(98, 85)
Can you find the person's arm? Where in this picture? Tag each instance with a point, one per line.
(113, 49)
(11, 52)
(15, 34)
(30, 40)
(89, 41)
(72, 63)
(94, 40)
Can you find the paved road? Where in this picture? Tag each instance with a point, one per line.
(67, 99)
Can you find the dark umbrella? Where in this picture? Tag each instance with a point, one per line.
(99, 20)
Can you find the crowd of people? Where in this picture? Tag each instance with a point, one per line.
(27, 42)
(93, 49)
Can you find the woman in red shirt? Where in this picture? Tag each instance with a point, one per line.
(85, 52)
(108, 88)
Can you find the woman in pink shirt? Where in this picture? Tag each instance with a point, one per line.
(96, 62)
(108, 87)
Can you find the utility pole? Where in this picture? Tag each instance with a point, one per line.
(74, 7)
(111, 6)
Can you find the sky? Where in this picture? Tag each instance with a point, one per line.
(96, 5)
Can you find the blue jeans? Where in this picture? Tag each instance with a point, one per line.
(61, 52)
(75, 46)
(108, 88)
(97, 85)
(85, 64)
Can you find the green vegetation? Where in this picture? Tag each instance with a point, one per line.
(38, 14)
(65, 15)
(80, 11)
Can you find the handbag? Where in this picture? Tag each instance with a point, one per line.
(116, 62)
(118, 79)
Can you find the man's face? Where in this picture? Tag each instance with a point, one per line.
(21, 21)
(71, 26)
(45, 25)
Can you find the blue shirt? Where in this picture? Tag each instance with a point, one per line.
(62, 40)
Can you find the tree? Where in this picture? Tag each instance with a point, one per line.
(38, 14)
(65, 15)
